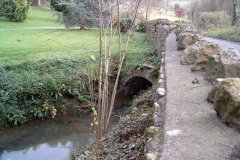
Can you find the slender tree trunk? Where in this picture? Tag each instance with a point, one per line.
(192, 15)
(39, 3)
(234, 14)
(104, 109)
(146, 15)
(194, 8)
(147, 10)
(99, 132)
(122, 57)
(82, 26)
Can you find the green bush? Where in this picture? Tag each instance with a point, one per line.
(14, 10)
(75, 13)
(16, 117)
(44, 111)
(141, 27)
(125, 25)
(57, 6)
(40, 90)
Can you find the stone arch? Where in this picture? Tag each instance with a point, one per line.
(137, 73)
(136, 84)
(131, 85)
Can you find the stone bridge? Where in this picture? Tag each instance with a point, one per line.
(138, 80)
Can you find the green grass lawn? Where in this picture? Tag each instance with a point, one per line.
(37, 17)
(228, 33)
(33, 45)
(18, 46)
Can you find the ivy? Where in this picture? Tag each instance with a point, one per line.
(40, 89)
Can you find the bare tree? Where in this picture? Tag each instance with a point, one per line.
(149, 5)
(105, 45)
(147, 8)
(193, 9)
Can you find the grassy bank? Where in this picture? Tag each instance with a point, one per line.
(224, 33)
(33, 45)
(39, 75)
(41, 70)
(128, 139)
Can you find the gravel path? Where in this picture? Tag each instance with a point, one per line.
(223, 43)
(192, 129)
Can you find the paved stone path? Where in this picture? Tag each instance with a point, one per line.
(192, 129)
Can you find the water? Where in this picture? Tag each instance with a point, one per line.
(52, 139)
(45, 140)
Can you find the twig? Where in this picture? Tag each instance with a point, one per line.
(200, 86)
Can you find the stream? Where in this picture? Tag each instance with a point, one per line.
(52, 139)
(56, 139)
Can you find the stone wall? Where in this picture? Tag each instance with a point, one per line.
(158, 31)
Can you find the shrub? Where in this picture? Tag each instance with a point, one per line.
(141, 27)
(39, 90)
(125, 25)
(77, 13)
(140, 23)
(127, 20)
(43, 111)
(15, 10)
(209, 20)
(16, 116)
(56, 6)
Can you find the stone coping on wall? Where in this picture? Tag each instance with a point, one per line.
(157, 32)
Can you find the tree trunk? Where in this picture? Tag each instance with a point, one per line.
(146, 15)
(82, 25)
(39, 3)
(147, 10)
(192, 16)
(234, 15)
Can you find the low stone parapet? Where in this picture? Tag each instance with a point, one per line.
(224, 65)
(158, 32)
(226, 98)
(187, 35)
(186, 39)
(206, 51)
